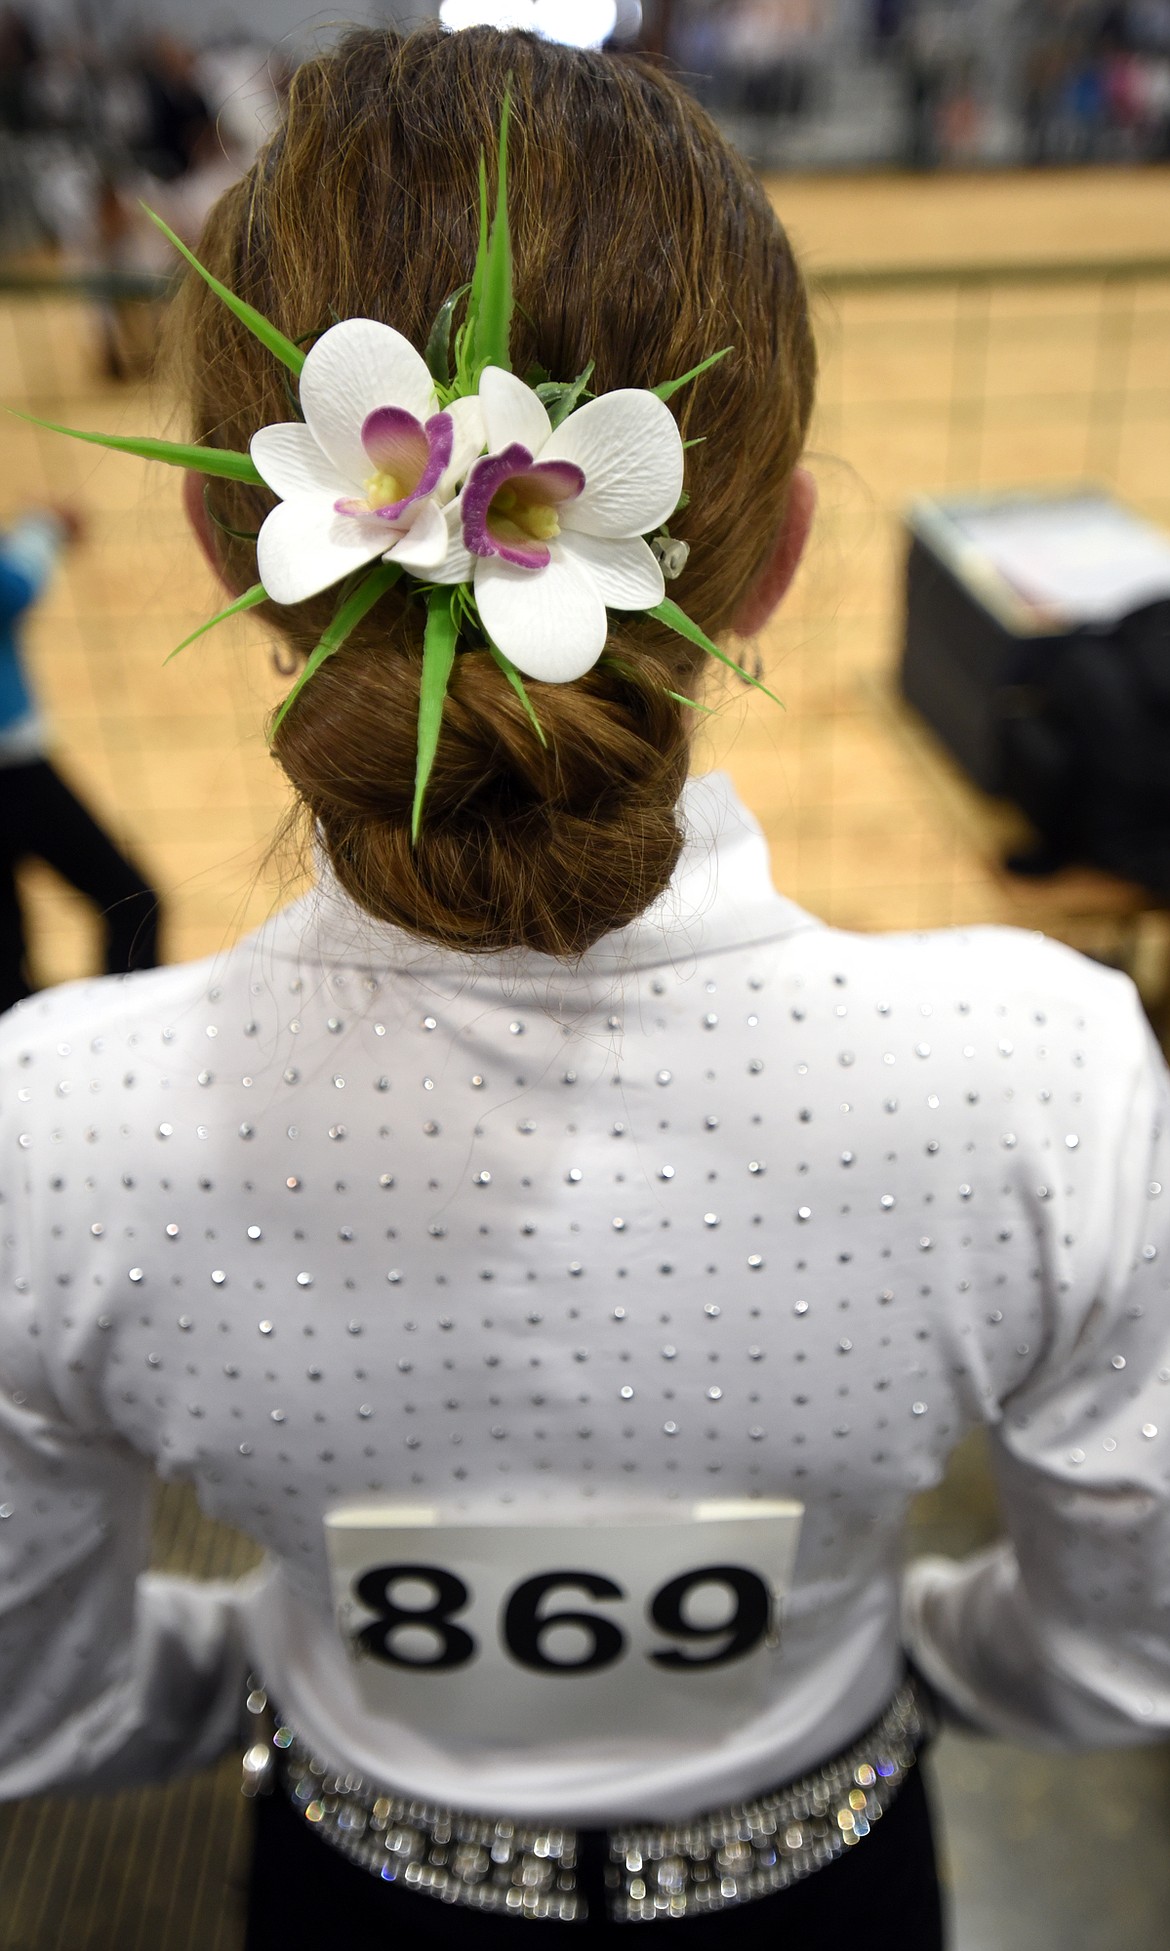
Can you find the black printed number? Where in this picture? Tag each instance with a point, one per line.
(744, 1627)
(525, 1625)
(453, 1645)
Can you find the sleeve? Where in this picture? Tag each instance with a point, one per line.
(109, 1674)
(1059, 1635)
(27, 555)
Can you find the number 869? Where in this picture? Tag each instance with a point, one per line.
(524, 1625)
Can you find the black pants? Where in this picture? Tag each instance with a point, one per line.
(40, 816)
(883, 1894)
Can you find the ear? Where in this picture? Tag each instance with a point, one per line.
(202, 526)
(781, 566)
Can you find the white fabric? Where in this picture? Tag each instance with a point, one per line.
(300, 1224)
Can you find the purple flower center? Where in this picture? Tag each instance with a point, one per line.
(408, 461)
(509, 505)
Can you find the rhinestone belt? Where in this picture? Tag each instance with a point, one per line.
(651, 1870)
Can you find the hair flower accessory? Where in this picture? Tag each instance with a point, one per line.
(368, 471)
(521, 511)
(553, 520)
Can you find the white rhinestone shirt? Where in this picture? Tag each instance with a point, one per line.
(740, 1205)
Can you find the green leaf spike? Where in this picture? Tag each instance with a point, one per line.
(289, 354)
(517, 683)
(438, 352)
(439, 641)
(669, 386)
(222, 461)
(492, 330)
(350, 614)
(678, 621)
(248, 601)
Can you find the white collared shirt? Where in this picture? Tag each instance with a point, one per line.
(737, 1206)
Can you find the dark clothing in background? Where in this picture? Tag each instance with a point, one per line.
(41, 817)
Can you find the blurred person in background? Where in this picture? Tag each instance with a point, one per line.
(40, 816)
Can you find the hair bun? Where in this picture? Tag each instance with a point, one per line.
(545, 847)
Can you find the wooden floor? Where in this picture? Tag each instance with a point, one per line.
(943, 385)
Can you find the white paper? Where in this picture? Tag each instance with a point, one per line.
(612, 1572)
(1086, 557)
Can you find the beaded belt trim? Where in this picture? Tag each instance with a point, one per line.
(651, 1870)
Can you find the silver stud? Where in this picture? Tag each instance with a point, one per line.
(218, 1277)
(265, 1327)
(666, 1171)
(136, 1274)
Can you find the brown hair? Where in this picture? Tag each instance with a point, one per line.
(641, 242)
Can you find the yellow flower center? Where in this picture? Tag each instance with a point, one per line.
(383, 490)
(513, 517)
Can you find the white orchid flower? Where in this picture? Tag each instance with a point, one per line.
(552, 522)
(369, 472)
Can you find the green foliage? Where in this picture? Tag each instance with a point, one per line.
(355, 606)
(439, 641)
(290, 355)
(560, 396)
(248, 601)
(678, 621)
(484, 338)
(438, 350)
(517, 683)
(221, 461)
(671, 386)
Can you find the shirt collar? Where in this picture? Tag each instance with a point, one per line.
(720, 897)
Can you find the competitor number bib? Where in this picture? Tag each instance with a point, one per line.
(506, 1632)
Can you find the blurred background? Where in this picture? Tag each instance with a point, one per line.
(981, 197)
